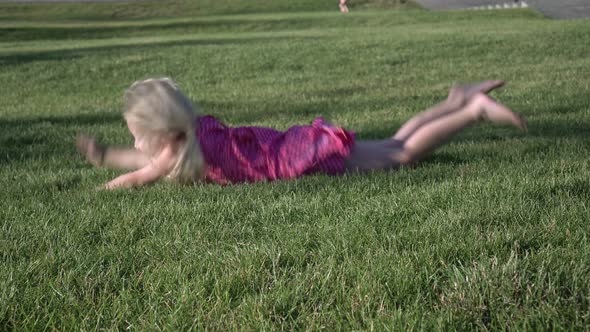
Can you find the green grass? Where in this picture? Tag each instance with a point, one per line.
(490, 233)
(139, 10)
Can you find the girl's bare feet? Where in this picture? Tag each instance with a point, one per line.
(489, 109)
(480, 87)
(460, 94)
(93, 152)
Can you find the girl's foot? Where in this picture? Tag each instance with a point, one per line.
(93, 152)
(491, 110)
(461, 94)
(480, 87)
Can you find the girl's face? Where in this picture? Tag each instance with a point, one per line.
(141, 143)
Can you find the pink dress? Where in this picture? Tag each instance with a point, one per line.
(250, 154)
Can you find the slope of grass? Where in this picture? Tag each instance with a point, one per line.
(489, 233)
(139, 10)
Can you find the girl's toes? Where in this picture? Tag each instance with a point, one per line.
(482, 87)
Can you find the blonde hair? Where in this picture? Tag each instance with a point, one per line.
(160, 111)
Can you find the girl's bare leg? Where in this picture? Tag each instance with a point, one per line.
(458, 97)
(118, 158)
(438, 131)
(343, 6)
(374, 155)
(392, 153)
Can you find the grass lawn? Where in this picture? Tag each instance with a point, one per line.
(492, 232)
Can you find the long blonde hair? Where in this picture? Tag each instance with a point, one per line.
(159, 110)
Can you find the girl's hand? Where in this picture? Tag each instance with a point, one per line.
(102, 187)
(93, 151)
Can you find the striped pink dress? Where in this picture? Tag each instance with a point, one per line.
(250, 154)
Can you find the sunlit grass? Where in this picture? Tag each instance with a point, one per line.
(489, 233)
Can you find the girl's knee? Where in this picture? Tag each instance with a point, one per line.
(405, 157)
(476, 105)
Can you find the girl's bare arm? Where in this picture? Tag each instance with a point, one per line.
(110, 157)
(150, 173)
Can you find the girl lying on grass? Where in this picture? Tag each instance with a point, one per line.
(172, 141)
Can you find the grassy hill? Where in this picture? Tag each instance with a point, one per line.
(490, 233)
(176, 8)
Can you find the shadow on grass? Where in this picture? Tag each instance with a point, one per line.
(554, 194)
(39, 138)
(557, 126)
(20, 58)
(66, 120)
(301, 112)
(549, 129)
(28, 138)
(543, 132)
(134, 29)
(545, 129)
(63, 183)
